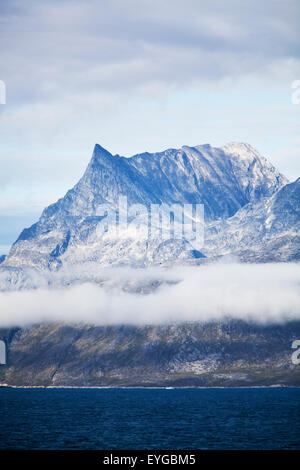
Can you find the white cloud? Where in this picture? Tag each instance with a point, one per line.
(265, 293)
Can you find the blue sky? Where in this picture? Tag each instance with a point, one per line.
(134, 76)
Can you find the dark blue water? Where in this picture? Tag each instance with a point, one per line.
(149, 419)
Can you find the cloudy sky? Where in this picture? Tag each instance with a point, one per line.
(134, 76)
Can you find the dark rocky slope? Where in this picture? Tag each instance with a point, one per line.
(228, 354)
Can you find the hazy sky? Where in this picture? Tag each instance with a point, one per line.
(134, 76)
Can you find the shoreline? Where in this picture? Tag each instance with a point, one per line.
(108, 387)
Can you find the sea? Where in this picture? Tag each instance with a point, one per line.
(170, 418)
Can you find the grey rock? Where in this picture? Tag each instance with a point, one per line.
(232, 353)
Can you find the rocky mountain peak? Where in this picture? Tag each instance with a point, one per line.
(225, 180)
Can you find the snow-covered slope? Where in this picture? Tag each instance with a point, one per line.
(268, 230)
(224, 179)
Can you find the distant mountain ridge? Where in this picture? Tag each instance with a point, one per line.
(226, 180)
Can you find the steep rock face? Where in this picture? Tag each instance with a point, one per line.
(268, 230)
(234, 353)
(224, 180)
(257, 177)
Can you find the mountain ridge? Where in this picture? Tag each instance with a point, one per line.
(273, 220)
(228, 354)
(224, 179)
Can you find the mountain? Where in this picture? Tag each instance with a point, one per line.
(268, 230)
(251, 213)
(233, 353)
(225, 180)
